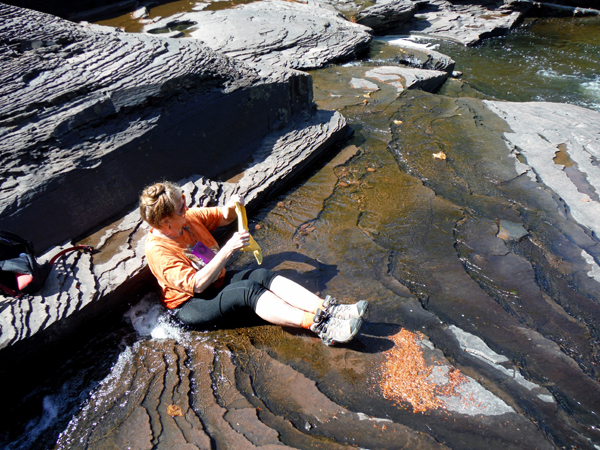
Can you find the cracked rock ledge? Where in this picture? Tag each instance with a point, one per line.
(93, 284)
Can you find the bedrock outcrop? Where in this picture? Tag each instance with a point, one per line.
(93, 115)
(290, 34)
(464, 22)
(83, 288)
(386, 14)
(558, 144)
(89, 115)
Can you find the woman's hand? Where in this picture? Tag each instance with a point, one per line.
(238, 241)
(234, 198)
(209, 273)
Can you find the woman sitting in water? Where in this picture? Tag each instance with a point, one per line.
(201, 293)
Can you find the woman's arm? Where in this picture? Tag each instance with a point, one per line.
(209, 273)
(228, 211)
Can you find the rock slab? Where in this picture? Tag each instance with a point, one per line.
(296, 35)
(385, 14)
(83, 287)
(464, 22)
(91, 115)
(541, 133)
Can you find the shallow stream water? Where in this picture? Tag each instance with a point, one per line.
(383, 220)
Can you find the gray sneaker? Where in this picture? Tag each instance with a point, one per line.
(335, 309)
(333, 330)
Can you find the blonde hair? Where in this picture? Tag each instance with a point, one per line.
(159, 201)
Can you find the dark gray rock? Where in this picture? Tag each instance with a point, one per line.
(289, 34)
(83, 287)
(90, 115)
(385, 14)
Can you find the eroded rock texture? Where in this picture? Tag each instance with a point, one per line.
(90, 115)
(281, 33)
(189, 390)
(532, 298)
(83, 287)
(464, 22)
(562, 150)
(385, 14)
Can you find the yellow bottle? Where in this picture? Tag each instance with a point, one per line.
(243, 225)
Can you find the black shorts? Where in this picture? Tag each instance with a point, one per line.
(240, 292)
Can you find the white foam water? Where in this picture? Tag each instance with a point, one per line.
(592, 88)
(150, 319)
(409, 41)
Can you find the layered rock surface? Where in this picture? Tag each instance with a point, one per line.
(93, 115)
(386, 14)
(558, 144)
(533, 298)
(83, 287)
(464, 22)
(90, 115)
(281, 33)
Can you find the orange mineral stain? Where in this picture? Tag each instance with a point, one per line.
(406, 376)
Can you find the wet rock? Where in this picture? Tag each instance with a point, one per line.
(421, 56)
(510, 231)
(385, 14)
(287, 34)
(407, 78)
(355, 84)
(90, 115)
(360, 83)
(539, 133)
(464, 22)
(513, 296)
(140, 13)
(84, 287)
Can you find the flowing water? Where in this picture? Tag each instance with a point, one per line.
(382, 220)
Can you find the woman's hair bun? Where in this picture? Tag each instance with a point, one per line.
(159, 201)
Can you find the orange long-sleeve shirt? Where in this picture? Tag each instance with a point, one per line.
(168, 263)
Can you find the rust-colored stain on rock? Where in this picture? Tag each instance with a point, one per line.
(406, 375)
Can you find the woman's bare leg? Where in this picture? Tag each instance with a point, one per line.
(277, 311)
(294, 294)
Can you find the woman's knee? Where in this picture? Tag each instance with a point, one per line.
(263, 276)
(242, 293)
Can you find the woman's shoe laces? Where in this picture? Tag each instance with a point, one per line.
(333, 330)
(335, 309)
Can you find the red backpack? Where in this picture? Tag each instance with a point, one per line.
(19, 270)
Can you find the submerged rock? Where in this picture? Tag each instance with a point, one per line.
(533, 301)
(281, 33)
(511, 231)
(407, 78)
(362, 84)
